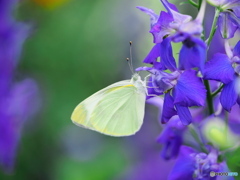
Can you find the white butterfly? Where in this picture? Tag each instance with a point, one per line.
(117, 110)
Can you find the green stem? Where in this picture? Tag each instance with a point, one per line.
(209, 97)
(199, 4)
(226, 123)
(214, 27)
(206, 83)
(193, 3)
(197, 137)
(217, 91)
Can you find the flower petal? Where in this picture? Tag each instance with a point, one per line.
(168, 108)
(167, 55)
(234, 18)
(178, 18)
(228, 96)
(192, 54)
(151, 89)
(189, 90)
(236, 10)
(185, 165)
(15, 109)
(236, 50)
(217, 3)
(6, 73)
(143, 68)
(169, 6)
(164, 81)
(171, 138)
(192, 27)
(224, 4)
(184, 114)
(219, 68)
(153, 54)
(162, 28)
(230, 4)
(151, 13)
(226, 26)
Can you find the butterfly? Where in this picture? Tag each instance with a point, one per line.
(117, 110)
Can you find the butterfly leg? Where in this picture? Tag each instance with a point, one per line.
(150, 94)
(145, 79)
(150, 87)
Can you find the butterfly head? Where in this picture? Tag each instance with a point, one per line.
(136, 77)
(138, 83)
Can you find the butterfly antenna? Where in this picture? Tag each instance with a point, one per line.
(130, 67)
(131, 64)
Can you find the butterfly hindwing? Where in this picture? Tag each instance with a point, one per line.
(120, 112)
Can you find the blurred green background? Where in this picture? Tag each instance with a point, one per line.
(76, 48)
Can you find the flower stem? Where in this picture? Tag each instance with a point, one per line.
(214, 27)
(209, 97)
(197, 137)
(193, 3)
(206, 83)
(226, 123)
(199, 4)
(217, 91)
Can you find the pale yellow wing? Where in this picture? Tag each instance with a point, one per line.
(116, 110)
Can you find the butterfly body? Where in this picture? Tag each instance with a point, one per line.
(117, 110)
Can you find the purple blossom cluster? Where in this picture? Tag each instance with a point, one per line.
(17, 99)
(196, 88)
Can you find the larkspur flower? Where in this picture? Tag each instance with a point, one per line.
(187, 90)
(178, 28)
(228, 20)
(234, 120)
(15, 108)
(12, 36)
(16, 99)
(192, 164)
(171, 26)
(226, 69)
(182, 86)
(167, 23)
(172, 138)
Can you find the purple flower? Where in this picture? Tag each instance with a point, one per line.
(187, 90)
(234, 121)
(178, 28)
(191, 164)
(17, 100)
(12, 36)
(167, 23)
(15, 108)
(224, 4)
(228, 20)
(172, 138)
(226, 70)
(164, 51)
(192, 54)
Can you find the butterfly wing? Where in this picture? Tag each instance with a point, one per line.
(116, 110)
